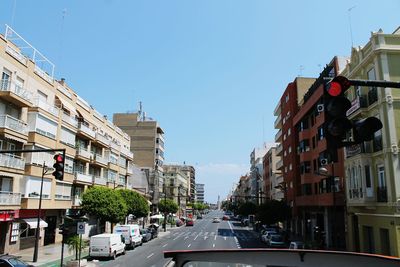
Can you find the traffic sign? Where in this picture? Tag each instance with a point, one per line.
(80, 229)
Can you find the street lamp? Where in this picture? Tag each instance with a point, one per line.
(165, 206)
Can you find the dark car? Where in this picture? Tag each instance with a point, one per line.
(225, 218)
(199, 216)
(153, 231)
(189, 223)
(12, 261)
(146, 235)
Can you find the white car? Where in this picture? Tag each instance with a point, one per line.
(131, 233)
(106, 245)
(216, 220)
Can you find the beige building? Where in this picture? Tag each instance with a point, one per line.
(39, 112)
(373, 168)
(176, 185)
(147, 142)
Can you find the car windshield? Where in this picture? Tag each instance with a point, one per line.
(198, 125)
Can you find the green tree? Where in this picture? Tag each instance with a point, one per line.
(74, 242)
(168, 206)
(136, 204)
(273, 211)
(247, 208)
(105, 203)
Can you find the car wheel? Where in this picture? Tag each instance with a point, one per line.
(124, 252)
(114, 256)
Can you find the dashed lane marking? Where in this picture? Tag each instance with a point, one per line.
(213, 245)
(151, 255)
(189, 245)
(165, 245)
(215, 237)
(196, 237)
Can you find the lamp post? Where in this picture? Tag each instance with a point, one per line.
(165, 206)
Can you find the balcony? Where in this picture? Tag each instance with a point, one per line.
(14, 124)
(83, 153)
(12, 161)
(85, 178)
(356, 193)
(278, 122)
(99, 160)
(126, 152)
(372, 95)
(100, 180)
(15, 94)
(10, 198)
(377, 143)
(357, 105)
(278, 136)
(39, 103)
(101, 139)
(115, 146)
(86, 131)
(122, 162)
(381, 194)
(76, 201)
(129, 170)
(70, 120)
(279, 164)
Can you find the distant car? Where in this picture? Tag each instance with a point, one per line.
(153, 229)
(267, 235)
(146, 235)
(189, 223)
(296, 245)
(216, 220)
(276, 241)
(199, 216)
(225, 218)
(12, 261)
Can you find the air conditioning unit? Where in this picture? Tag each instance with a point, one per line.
(323, 161)
(320, 108)
(395, 149)
(389, 99)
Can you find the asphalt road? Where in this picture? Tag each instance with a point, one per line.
(203, 235)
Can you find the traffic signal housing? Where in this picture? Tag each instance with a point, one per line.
(336, 123)
(58, 167)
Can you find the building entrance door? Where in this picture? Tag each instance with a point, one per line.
(50, 230)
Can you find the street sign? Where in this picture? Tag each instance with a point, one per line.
(80, 229)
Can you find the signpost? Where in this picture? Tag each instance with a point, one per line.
(80, 230)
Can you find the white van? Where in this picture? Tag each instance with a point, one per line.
(106, 245)
(131, 233)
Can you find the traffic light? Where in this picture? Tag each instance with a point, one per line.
(58, 167)
(336, 122)
(64, 230)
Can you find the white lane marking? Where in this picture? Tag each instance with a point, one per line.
(165, 245)
(215, 237)
(189, 245)
(176, 238)
(186, 237)
(224, 237)
(230, 226)
(196, 237)
(213, 245)
(205, 237)
(151, 255)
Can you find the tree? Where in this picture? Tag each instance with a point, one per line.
(168, 206)
(104, 203)
(74, 242)
(136, 204)
(247, 208)
(273, 211)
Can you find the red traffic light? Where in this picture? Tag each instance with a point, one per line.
(58, 158)
(58, 167)
(338, 86)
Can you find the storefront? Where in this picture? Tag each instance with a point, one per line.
(9, 231)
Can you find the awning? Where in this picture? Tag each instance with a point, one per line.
(157, 216)
(15, 138)
(149, 202)
(68, 106)
(32, 222)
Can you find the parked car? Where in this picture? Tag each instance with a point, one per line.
(106, 245)
(225, 218)
(296, 245)
(267, 235)
(189, 223)
(131, 234)
(153, 229)
(12, 261)
(245, 222)
(179, 222)
(216, 220)
(146, 235)
(199, 217)
(276, 241)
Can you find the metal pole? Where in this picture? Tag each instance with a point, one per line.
(62, 251)
(37, 234)
(80, 250)
(334, 208)
(165, 211)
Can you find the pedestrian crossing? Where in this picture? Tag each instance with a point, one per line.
(205, 235)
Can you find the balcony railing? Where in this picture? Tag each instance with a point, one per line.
(103, 139)
(70, 120)
(16, 54)
(85, 129)
(122, 162)
(279, 164)
(7, 85)
(279, 149)
(37, 102)
(115, 146)
(80, 151)
(10, 198)
(9, 122)
(381, 194)
(278, 122)
(372, 96)
(98, 158)
(12, 161)
(377, 143)
(100, 180)
(129, 170)
(87, 178)
(278, 135)
(126, 152)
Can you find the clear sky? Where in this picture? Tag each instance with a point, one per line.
(210, 72)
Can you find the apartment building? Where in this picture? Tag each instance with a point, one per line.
(372, 168)
(256, 192)
(147, 143)
(287, 139)
(176, 186)
(319, 199)
(39, 112)
(190, 173)
(200, 193)
(272, 177)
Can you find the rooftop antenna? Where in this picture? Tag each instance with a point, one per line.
(301, 68)
(64, 12)
(351, 30)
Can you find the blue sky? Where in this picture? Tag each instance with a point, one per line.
(211, 72)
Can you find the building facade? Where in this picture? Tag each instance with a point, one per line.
(272, 177)
(176, 186)
(39, 112)
(372, 168)
(200, 193)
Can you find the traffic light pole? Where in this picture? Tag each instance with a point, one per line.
(375, 83)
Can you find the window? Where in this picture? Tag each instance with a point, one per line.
(381, 176)
(287, 98)
(284, 137)
(6, 184)
(26, 231)
(385, 241)
(32, 187)
(46, 126)
(5, 80)
(42, 96)
(63, 191)
(290, 166)
(69, 165)
(320, 133)
(290, 149)
(313, 141)
(288, 132)
(67, 137)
